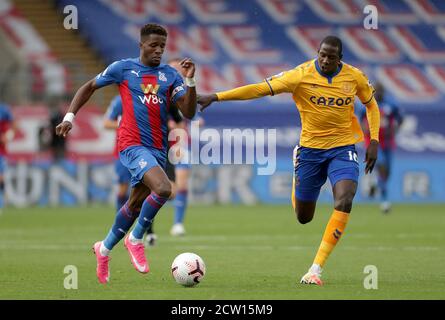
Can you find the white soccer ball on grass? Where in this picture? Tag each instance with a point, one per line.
(188, 269)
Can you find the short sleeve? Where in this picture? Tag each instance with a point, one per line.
(177, 88)
(286, 81)
(365, 90)
(112, 74)
(114, 110)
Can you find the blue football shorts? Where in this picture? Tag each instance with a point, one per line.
(122, 173)
(140, 159)
(313, 166)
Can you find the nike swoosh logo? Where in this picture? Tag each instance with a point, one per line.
(141, 268)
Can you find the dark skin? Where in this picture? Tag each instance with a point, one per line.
(329, 60)
(151, 49)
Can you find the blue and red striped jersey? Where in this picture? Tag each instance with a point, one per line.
(146, 93)
(390, 119)
(5, 123)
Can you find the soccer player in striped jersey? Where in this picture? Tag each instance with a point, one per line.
(147, 88)
(390, 120)
(112, 118)
(7, 131)
(323, 90)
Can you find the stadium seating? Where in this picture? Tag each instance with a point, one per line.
(48, 76)
(240, 42)
(235, 42)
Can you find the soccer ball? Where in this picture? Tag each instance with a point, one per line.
(188, 269)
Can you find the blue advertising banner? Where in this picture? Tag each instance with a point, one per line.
(82, 183)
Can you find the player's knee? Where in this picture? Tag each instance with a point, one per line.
(303, 217)
(163, 189)
(344, 202)
(173, 191)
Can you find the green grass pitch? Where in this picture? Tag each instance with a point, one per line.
(253, 252)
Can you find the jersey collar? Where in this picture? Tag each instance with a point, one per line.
(157, 67)
(329, 77)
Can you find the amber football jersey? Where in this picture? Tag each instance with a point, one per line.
(325, 102)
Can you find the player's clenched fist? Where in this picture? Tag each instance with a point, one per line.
(63, 128)
(188, 67)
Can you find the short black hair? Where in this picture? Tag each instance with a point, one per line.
(335, 42)
(153, 28)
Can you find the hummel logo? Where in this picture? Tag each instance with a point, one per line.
(142, 163)
(136, 73)
(162, 76)
(337, 234)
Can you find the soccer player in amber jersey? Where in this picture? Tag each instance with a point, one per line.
(323, 90)
(147, 88)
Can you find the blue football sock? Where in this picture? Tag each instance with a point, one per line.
(180, 204)
(149, 209)
(122, 223)
(383, 190)
(120, 201)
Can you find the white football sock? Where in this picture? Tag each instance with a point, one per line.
(315, 268)
(103, 250)
(134, 240)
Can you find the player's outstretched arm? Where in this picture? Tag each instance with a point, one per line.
(187, 103)
(80, 98)
(251, 91)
